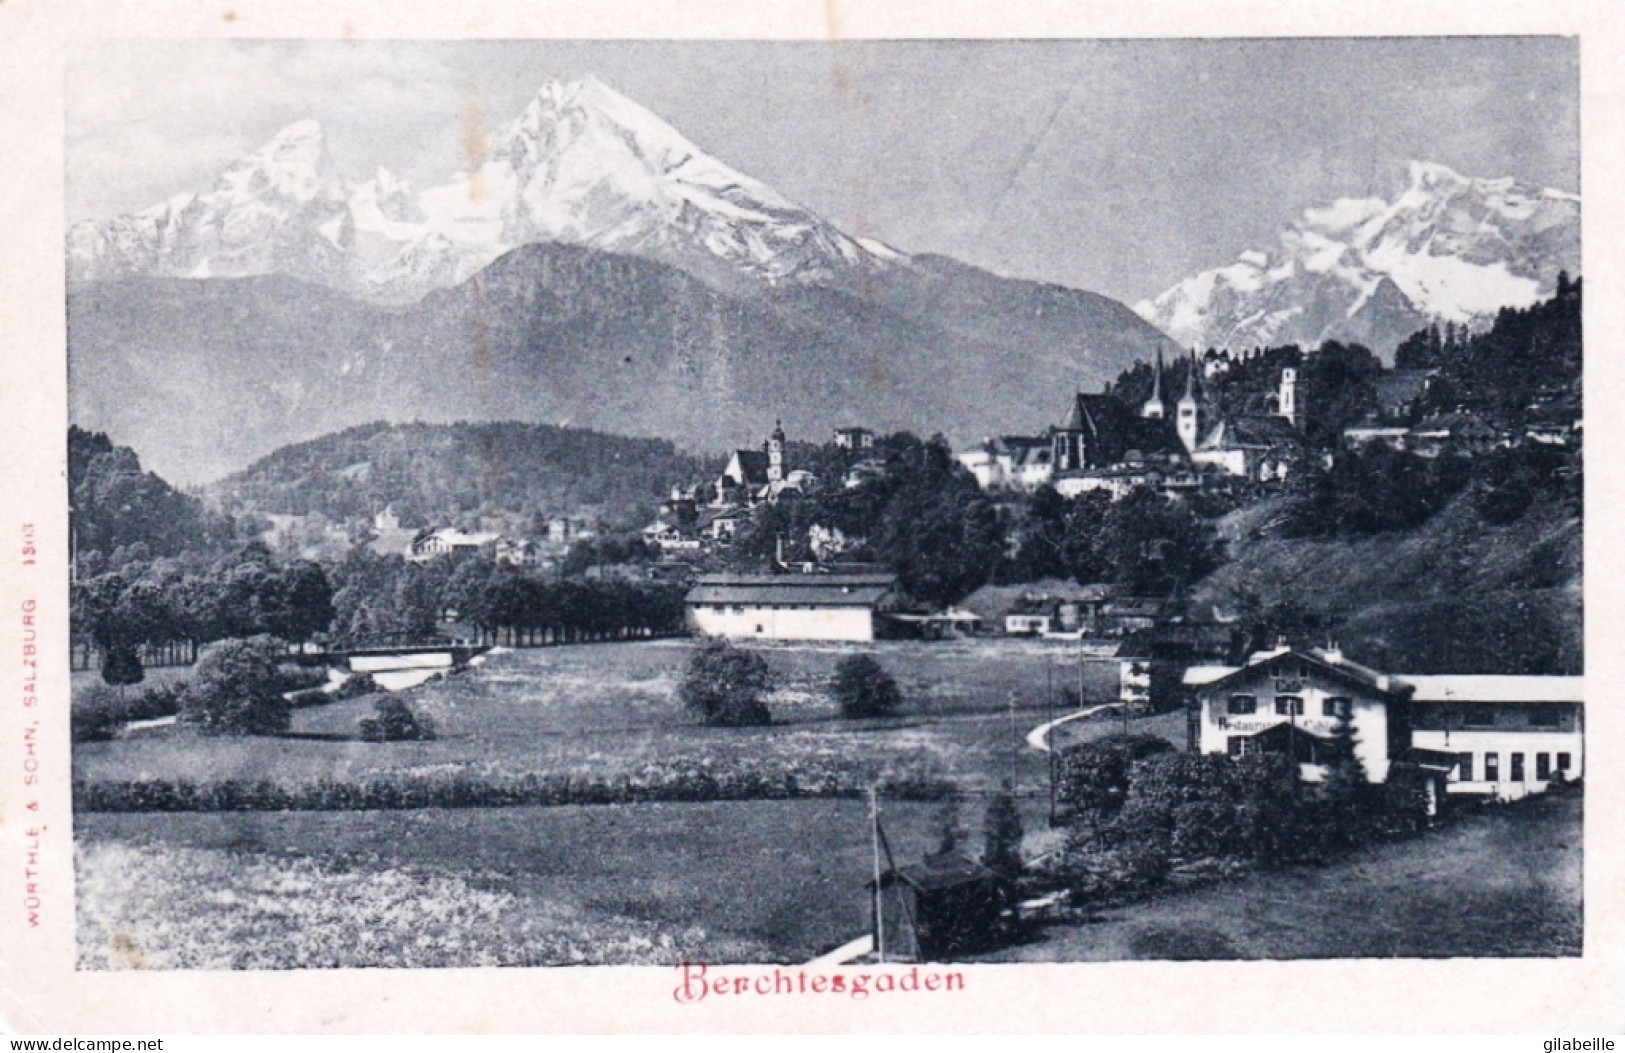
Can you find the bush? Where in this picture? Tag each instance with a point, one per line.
(1092, 778)
(864, 689)
(122, 666)
(356, 685)
(96, 715)
(725, 684)
(395, 722)
(159, 700)
(301, 678)
(100, 713)
(1093, 872)
(237, 689)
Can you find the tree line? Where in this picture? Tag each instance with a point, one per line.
(164, 606)
(382, 598)
(121, 513)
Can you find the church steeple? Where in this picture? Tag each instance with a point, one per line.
(1189, 421)
(775, 453)
(1153, 408)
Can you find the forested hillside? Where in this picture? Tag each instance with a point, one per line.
(1454, 595)
(122, 512)
(433, 473)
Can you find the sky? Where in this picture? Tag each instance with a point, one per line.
(1116, 166)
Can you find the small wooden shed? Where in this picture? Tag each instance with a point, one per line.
(941, 907)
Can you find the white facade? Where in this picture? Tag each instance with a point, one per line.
(1134, 681)
(1511, 734)
(1009, 464)
(1027, 624)
(783, 622)
(806, 606)
(1234, 708)
(1232, 460)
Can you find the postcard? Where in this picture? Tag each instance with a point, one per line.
(1056, 517)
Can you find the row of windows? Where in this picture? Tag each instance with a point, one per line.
(1486, 716)
(738, 609)
(1466, 770)
(1289, 706)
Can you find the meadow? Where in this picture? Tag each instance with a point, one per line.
(646, 883)
(610, 711)
(760, 881)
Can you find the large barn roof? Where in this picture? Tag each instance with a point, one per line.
(819, 590)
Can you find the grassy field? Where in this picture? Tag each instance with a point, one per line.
(650, 883)
(1504, 883)
(610, 709)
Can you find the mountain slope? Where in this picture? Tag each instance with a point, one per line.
(430, 473)
(205, 375)
(1448, 248)
(582, 165)
(1454, 595)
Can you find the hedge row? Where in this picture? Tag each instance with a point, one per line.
(183, 795)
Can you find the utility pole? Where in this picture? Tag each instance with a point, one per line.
(877, 901)
(1015, 743)
(1049, 718)
(1080, 668)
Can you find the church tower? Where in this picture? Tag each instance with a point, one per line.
(1189, 419)
(1286, 401)
(1153, 408)
(775, 454)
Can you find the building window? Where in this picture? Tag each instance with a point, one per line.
(1563, 760)
(1492, 767)
(758, 628)
(1543, 766)
(1288, 706)
(1241, 704)
(1336, 707)
(1480, 717)
(1464, 767)
(1517, 767)
(1242, 746)
(738, 609)
(1545, 717)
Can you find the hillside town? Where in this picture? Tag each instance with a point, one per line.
(753, 563)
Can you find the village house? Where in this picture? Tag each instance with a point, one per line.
(1504, 736)
(389, 537)
(448, 540)
(854, 438)
(1010, 462)
(519, 552)
(806, 606)
(1371, 431)
(1263, 449)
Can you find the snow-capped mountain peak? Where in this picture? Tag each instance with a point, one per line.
(1446, 247)
(581, 164)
